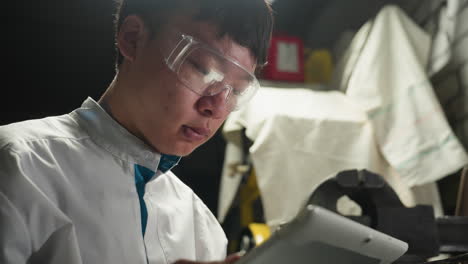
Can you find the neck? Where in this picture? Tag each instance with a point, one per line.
(107, 99)
(115, 102)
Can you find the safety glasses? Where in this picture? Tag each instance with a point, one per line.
(207, 72)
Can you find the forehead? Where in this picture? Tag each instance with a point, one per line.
(208, 34)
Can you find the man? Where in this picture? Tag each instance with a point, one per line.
(95, 186)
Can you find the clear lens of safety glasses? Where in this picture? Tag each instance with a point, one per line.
(208, 73)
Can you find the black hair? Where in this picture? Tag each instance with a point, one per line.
(247, 22)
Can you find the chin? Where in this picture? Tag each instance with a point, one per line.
(180, 153)
(183, 150)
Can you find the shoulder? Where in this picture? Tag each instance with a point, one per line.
(20, 193)
(21, 135)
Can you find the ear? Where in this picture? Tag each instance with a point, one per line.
(131, 35)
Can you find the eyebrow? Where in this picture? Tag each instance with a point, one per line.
(247, 77)
(244, 77)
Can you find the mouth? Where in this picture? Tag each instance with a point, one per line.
(195, 133)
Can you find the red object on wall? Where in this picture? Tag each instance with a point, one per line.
(285, 59)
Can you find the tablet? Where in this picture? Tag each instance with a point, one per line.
(318, 236)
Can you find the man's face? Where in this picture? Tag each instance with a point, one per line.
(164, 112)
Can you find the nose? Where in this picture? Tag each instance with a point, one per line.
(213, 106)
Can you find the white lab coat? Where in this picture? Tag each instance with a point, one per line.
(68, 195)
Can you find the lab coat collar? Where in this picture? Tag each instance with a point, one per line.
(114, 138)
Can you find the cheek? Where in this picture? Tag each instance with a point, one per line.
(218, 122)
(177, 101)
(169, 100)
(167, 88)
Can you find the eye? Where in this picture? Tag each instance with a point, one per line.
(239, 88)
(237, 92)
(197, 66)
